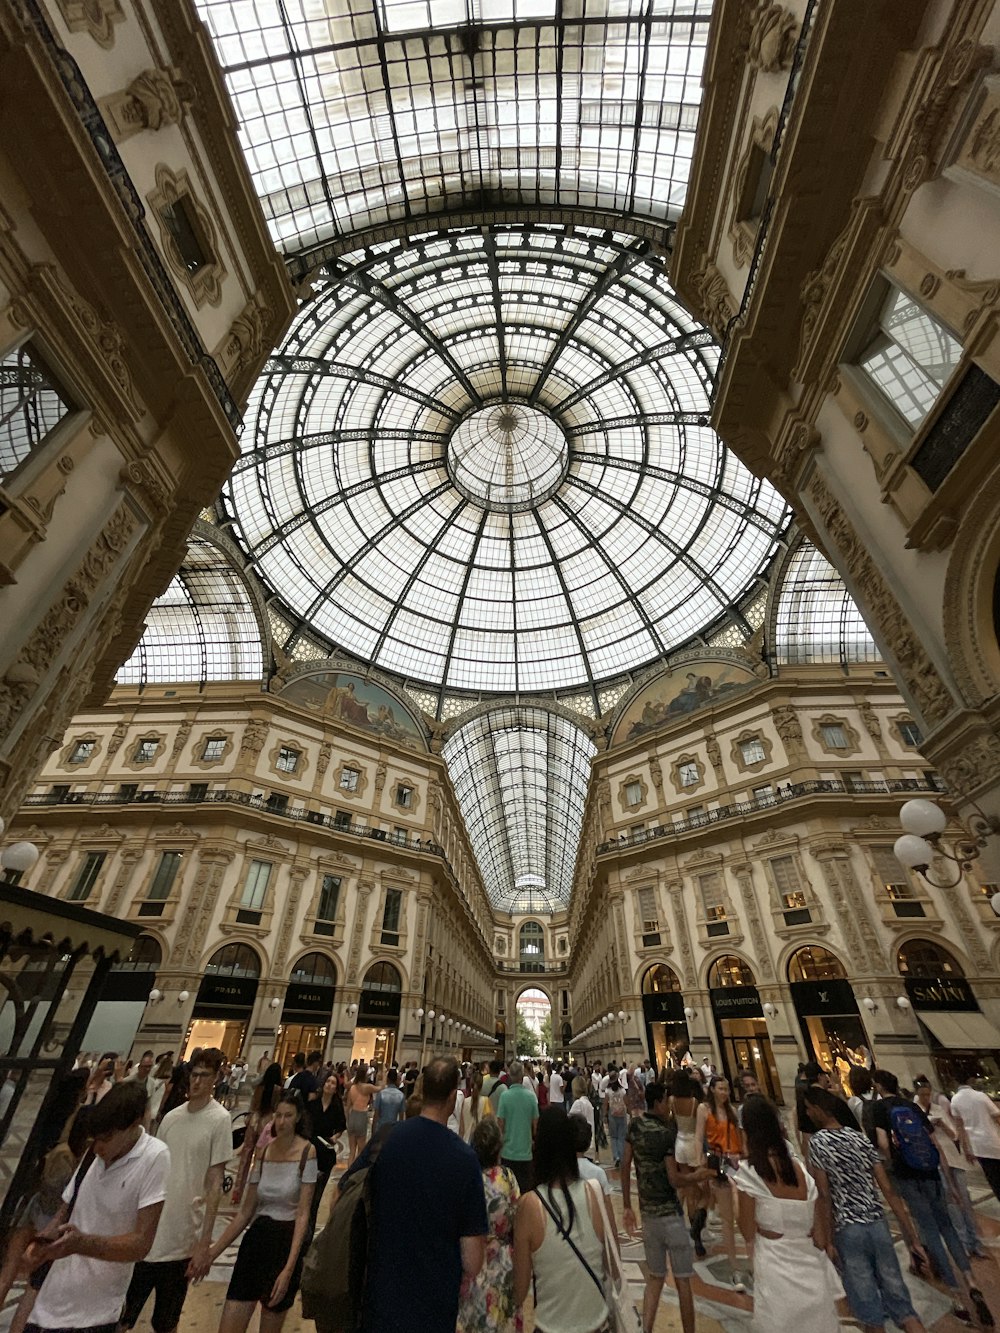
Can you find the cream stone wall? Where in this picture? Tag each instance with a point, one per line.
(223, 815)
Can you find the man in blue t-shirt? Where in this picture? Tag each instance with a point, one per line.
(389, 1102)
(428, 1216)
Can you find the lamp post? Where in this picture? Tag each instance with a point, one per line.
(924, 823)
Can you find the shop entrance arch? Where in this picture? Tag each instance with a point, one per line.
(667, 1039)
(534, 1037)
(744, 1041)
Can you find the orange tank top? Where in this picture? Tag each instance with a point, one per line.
(722, 1135)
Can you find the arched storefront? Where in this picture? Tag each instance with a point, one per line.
(959, 1036)
(663, 1010)
(739, 1021)
(308, 1008)
(225, 1000)
(378, 1014)
(828, 1013)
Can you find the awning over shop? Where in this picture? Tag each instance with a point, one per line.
(967, 1030)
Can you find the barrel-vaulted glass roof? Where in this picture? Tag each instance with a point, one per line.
(817, 619)
(520, 776)
(481, 461)
(354, 113)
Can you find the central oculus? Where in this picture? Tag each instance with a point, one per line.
(508, 456)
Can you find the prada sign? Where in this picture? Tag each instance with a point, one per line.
(736, 1002)
(308, 999)
(380, 1005)
(663, 1007)
(228, 992)
(942, 993)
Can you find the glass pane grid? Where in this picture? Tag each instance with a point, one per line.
(817, 620)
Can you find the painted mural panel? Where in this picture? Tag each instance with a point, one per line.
(358, 702)
(692, 686)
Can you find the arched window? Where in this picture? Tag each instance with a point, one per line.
(145, 955)
(730, 971)
(926, 958)
(234, 960)
(531, 940)
(314, 969)
(383, 976)
(814, 963)
(659, 979)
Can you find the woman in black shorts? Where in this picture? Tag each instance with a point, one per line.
(276, 1206)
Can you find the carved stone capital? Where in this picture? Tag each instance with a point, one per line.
(772, 38)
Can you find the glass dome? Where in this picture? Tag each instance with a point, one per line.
(481, 461)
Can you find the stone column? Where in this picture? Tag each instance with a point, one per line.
(751, 910)
(129, 858)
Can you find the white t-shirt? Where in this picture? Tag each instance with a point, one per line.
(556, 1086)
(455, 1119)
(197, 1141)
(585, 1107)
(595, 1080)
(976, 1112)
(80, 1292)
(591, 1171)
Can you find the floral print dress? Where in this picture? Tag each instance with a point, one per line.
(487, 1300)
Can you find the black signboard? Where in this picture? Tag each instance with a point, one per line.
(305, 998)
(736, 1002)
(663, 1007)
(379, 1006)
(941, 993)
(227, 992)
(128, 985)
(824, 997)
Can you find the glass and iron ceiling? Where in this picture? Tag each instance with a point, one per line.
(358, 113)
(520, 776)
(481, 461)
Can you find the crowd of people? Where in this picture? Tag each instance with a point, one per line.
(504, 1196)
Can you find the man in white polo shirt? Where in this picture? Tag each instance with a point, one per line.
(980, 1118)
(114, 1217)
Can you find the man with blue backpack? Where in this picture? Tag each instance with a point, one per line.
(905, 1139)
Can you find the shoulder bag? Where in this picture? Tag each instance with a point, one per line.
(623, 1317)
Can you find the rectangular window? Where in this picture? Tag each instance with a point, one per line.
(834, 736)
(342, 819)
(329, 897)
(59, 791)
(350, 779)
(896, 883)
(710, 887)
(791, 891)
(197, 791)
(649, 918)
(909, 358)
(687, 774)
(752, 751)
(697, 815)
(31, 406)
(633, 793)
(288, 759)
(214, 747)
(145, 751)
(911, 734)
(390, 916)
(277, 802)
(82, 751)
(127, 791)
(86, 876)
(166, 873)
(400, 834)
(255, 886)
(404, 797)
(764, 795)
(181, 223)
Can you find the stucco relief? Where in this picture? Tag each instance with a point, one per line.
(773, 38)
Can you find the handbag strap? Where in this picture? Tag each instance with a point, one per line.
(569, 1239)
(84, 1167)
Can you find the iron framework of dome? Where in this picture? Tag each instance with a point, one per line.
(481, 462)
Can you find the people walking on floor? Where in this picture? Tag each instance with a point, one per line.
(328, 1127)
(517, 1114)
(589, 1170)
(111, 1208)
(257, 1131)
(477, 1106)
(718, 1128)
(557, 1087)
(980, 1118)
(948, 1139)
(427, 1219)
(695, 1188)
(356, 1106)
(388, 1102)
(199, 1137)
(905, 1141)
(487, 1301)
(306, 1079)
(795, 1285)
(651, 1145)
(494, 1083)
(581, 1104)
(616, 1115)
(275, 1215)
(849, 1177)
(560, 1213)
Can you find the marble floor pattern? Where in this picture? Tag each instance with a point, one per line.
(719, 1309)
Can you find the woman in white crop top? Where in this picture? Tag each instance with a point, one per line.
(567, 1297)
(276, 1206)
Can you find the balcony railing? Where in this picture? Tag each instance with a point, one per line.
(816, 787)
(265, 804)
(526, 969)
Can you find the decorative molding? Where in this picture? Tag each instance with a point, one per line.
(196, 758)
(789, 728)
(301, 762)
(154, 99)
(350, 766)
(745, 222)
(773, 38)
(746, 737)
(751, 909)
(850, 735)
(205, 282)
(97, 18)
(715, 300)
(139, 765)
(675, 774)
(628, 781)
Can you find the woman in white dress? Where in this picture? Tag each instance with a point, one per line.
(795, 1285)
